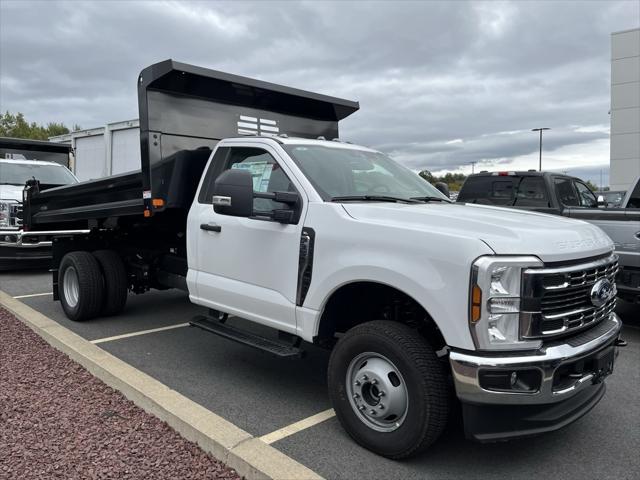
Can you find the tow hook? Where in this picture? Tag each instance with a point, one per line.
(620, 342)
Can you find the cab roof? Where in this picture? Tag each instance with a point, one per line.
(300, 141)
(30, 162)
(37, 145)
(519, 173)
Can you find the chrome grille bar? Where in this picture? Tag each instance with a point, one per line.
(557, 300)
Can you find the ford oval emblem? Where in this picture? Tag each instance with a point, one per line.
(602, 292)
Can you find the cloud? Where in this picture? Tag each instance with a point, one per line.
(440, 84)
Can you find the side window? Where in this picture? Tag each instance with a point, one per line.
(502, 192)
(267, 176)
(531, 193)
(215, 168)
(634, 199)
(586, 196)
(566, 193)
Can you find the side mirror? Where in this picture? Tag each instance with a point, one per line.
(443, 188)
(601, 201)
(233, 193)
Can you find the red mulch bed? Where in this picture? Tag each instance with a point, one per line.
(58, 421)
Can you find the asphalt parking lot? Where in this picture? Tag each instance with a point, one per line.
(262, 394)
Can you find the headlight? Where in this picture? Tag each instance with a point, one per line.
(4, 214)
(494, 304)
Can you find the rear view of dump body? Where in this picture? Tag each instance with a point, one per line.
(184, 111)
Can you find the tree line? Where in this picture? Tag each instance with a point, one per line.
(453, 180)
(16, 126)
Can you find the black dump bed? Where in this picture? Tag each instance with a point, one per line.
(184, 111)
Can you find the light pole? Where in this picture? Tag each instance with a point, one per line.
(473, 164)
(540, 130)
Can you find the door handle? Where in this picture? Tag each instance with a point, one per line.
(210, 228)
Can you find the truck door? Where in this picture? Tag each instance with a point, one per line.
(247, 266)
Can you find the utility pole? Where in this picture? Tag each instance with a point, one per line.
(601, 185)
(473, 164)
(540, 130)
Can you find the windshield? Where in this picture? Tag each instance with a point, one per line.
(614, 197)
(19, 173)
(342, 172)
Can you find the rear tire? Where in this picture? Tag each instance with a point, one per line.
(80, 286)
(405, 409)
(115, 281)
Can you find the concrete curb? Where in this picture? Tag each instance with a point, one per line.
(247, 455)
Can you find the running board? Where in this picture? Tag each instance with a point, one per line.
(282, 350)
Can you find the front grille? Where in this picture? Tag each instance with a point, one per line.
(15, 215)
(558, 300)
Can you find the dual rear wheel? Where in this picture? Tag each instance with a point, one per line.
(92, 284)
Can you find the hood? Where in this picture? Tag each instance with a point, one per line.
(11, 192)
(506, 231)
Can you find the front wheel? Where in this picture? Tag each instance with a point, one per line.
(388, 389)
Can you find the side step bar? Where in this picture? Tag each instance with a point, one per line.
(282, 350)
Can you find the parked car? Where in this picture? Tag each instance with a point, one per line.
(570, 197)
(420, 300)
(20, 249)
(610, 198)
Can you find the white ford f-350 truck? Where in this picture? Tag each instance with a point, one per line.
(424, 303)
(21, 160)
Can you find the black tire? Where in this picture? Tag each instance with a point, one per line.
(89, 297)
(115, 281)
(426, 387)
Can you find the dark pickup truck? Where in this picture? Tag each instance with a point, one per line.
(558, 194)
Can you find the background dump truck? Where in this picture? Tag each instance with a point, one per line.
(20, 161)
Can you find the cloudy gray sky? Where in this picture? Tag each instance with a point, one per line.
(440, 84)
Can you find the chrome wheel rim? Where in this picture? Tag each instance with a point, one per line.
(71, 286)
(377, 392)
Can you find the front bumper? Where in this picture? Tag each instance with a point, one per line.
(497, 414)
(19, 249)
(16, 253)
(14, 258)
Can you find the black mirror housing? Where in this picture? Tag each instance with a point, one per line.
(284, 216)
(233, 193)
(443, 188)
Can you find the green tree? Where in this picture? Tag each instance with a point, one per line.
(591, 186)
(428, 176)
(16, 126)
(453, 180)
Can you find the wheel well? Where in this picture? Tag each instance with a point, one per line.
(360, 302)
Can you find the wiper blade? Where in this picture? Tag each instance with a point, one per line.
(372, 198)
(431, 199)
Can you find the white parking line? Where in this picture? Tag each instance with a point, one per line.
(298, 426)
(141, 332)
(33, 295)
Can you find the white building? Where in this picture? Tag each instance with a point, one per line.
(625, 108)
(104, 151)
